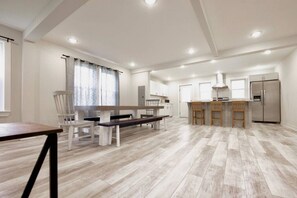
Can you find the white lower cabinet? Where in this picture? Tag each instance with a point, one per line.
(168, 109)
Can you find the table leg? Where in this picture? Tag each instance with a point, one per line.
(157, 124)
(135, 113)
(105, 132)
(47, 145)
(53, 165)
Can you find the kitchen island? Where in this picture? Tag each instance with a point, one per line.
(227, 113)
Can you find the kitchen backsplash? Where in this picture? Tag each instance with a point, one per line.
(222, 93)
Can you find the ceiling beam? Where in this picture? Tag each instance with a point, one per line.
(53, 14)
(250, 49)
(204, 24)
(173, 64)
(259, 47)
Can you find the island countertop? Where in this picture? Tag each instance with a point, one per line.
(224, 101)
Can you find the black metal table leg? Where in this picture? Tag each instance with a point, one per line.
(53, 165)
(50, 144)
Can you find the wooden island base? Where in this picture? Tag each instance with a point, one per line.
(227, 114)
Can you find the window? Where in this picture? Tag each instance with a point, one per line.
(238, 88)
(95, 85)
(205, 91)
(2, 70)
(5, 69)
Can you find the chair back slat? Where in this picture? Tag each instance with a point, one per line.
(65, 106)
(151, 103)
(238, 105)
(216, 105)
(197, 106)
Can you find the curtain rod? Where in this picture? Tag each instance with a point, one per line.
(67, 56)
(6, 38)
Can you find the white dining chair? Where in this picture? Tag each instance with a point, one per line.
(150, 112)
(66, 117)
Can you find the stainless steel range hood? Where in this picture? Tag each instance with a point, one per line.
(220, 84)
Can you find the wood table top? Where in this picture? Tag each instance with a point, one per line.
(110, 108)
(11, 131)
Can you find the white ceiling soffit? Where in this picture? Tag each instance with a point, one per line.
(246, 63)
(19, 14)
(53, 14)
(126, 31)
(201, 16)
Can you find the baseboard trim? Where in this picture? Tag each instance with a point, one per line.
(290, 126)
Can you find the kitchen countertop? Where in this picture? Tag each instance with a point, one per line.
(226, 101)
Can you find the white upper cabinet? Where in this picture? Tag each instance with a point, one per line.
(158, 89)
(261, 77)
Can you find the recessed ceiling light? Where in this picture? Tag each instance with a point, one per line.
(182, 66)
(150, 2)
(191, 51)
(153, 71)
(72, 40)
(132, 64)
(256, 34)
(267, 52)
(213, 61)
(168, 78)
(193, 75)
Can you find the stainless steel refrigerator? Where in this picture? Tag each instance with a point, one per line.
(266, 101)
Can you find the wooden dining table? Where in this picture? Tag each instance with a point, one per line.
(105, 111)
(13, 131)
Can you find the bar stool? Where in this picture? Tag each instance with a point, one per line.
(216, 107)
(198, 112)
(238, 107)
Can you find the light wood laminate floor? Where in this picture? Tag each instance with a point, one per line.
(184, 161)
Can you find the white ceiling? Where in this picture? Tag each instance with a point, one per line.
(125, 31)
(232, 21)
(18, 14)
(246, 63)
(158, 37)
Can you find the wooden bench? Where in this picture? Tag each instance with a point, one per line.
(131, 122)
(112, 117)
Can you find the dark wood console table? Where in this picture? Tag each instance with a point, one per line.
(12, 131)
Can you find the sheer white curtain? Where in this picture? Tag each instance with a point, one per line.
(108, 87)
(92, 84)
(86, 84)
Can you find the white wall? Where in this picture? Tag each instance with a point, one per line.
(16, 74)
(44, 73)
(288, 76)
(174, 86)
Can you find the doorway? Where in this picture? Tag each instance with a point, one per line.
(185, 95)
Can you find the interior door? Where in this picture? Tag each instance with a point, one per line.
(185, 95)
(271, 101)
(257, 104)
